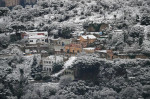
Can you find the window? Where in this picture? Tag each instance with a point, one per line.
(31, 40)
(38, 40)
(42, 39)
(63, 44)
(68, 51)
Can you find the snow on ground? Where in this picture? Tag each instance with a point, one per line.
(4, 34)
(48, 84)
(38, 20)
(26, 66)
(146, 31)
(69, 62)
(66, 65)
(1, 20)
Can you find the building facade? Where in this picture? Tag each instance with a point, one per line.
(26, 34)
(12, 3)
(89, 50)
(86, 40)
(73, 48)
(30, 1)
(60, 41)
(35, 37)
(59, 44)
(2, 3)
(49, 61)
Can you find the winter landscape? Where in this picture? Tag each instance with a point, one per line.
(74, 49)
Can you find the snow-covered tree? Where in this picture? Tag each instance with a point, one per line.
(145, 20)
(129, 93)
(17, 26)
(64, 81)
(136, 31)
(146, 47)
(4, 11)
(18, 7)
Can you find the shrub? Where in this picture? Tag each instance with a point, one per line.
(57, 67)
(145, 20)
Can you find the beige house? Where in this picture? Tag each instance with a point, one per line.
(9, 3)
(59, 44)
(86, 39)
(73, 48)
(60, 41)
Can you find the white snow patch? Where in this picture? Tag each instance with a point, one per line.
(89, 48)
(89, 36)
(49, 84)
(1, 20)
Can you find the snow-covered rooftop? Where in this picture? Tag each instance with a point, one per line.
(118, 31)
(58, 58)
(31, 32)
(88, 37)
(36, 37)
(89, 48)
(53, 57)
(102, 51)
(93, 32)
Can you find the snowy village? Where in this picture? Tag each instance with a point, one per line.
(74, 49)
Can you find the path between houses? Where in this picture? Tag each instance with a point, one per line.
(66, 65)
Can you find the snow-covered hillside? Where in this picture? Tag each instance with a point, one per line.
(53, 14)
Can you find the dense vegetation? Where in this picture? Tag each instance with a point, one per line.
(97, 78)
(122, 79)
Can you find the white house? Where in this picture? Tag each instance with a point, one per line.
(37, 39)
(33, 33)
(49, 61)
(27, 34)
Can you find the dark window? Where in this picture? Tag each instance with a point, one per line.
(31, 40)
(68, 51)
(63, 44)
